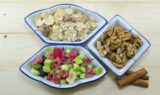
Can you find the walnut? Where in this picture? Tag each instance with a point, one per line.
(118, 44)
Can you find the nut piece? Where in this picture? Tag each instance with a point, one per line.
(118, 44)
(65, 24)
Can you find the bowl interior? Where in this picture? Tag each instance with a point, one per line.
(117, 20)
(30, 22)
(26, 67)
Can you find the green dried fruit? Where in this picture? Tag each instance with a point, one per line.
(83, 76)
(36, 66)
(35, 72)
(65, 67)
(90, 65)
(67, 50)
(78, 73)
(78, 60)
(83, 69)
(70, 66)
(98, 70)
(46, 69)
(63, 81)
(48, 62)
(48, 51)
(81, 56)
(76, 67)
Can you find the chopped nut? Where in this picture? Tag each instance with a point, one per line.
(65, 24)
(118, 45)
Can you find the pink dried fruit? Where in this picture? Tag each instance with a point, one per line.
(38, 60)
(49, 77)
(58, 60)
(73, 54)
(57, 53)
(64, 74)
(56, 79)
(50, 57)
(89, 72)
(87, 60)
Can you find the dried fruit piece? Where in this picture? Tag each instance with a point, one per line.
(56, 79)
(49, 77)
(73, 54)
(83, 76)
(81, 56)
(83, 69)
(46, 69)
(38, 60)
(76, 67)
(48, 51)
(48, 62)
(57, 53)
(89, 72)
(78, 73)
(90, 65)
(87, 60)
(36, 66)
(63, 81)
(50, 57)
(98, 70)
(64, 74)
(72, 77)
(78, 60)
(67, 50)
(65, 67)
(35, 72)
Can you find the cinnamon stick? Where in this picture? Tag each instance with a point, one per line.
(132, 77)
(145, 77)
(138, 82)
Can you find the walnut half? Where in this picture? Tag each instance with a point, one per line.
(118, 44)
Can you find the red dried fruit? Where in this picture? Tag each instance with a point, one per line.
(73, 54)
(49, 77)
(87, 60)
(57, 66)
(89, 72)
(50, 57)
(58, 53)
(38, 60)
(64, 74)
(58, 60)
(84, 64)
(56, 79)
(64, 58)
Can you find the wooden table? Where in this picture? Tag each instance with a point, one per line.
(18, 43)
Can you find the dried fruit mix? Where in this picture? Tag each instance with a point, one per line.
(64, 66)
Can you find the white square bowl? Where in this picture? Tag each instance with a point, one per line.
(29, 20)
(118, 20)
(26, 67)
